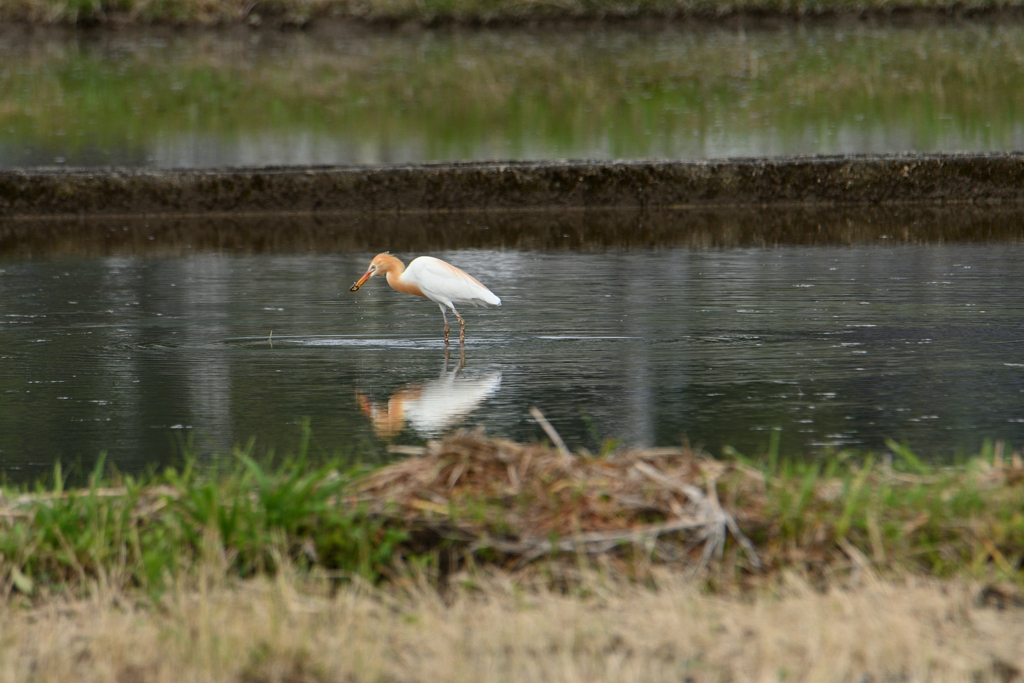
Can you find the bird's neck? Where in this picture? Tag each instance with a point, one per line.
(390, 264)
(391, 267)
(393, 270)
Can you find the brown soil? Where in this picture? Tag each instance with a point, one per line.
(339, 18)
(989, 179)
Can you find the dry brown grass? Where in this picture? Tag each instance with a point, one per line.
(509, 504)
(279, 630)
(528, 500)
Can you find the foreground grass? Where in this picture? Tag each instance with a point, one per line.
(288, 629)
(299, 12)
(475, 502)
(551, 566)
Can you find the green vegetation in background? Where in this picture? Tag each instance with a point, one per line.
(598, 94)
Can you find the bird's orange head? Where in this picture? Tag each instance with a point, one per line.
(381, 263)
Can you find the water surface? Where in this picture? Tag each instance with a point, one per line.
(836, 346)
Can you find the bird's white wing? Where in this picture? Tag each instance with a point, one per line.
(443, 282)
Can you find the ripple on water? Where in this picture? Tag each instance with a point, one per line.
(650, 351)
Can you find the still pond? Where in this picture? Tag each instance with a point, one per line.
(835, 346)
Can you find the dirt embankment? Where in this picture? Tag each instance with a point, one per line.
(388, 14)
(989, 179)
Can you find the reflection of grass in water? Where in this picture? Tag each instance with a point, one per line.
(492, 94)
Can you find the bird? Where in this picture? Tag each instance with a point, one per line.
(434, 279)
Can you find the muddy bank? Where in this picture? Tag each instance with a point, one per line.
(412, 14)
(238, 20)
(493, 186)
(30, 237)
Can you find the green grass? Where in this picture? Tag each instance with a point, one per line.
(902, 516)
(461, 95)
(145, 533)
(821, 518)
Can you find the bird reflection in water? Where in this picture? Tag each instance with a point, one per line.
(430, 408)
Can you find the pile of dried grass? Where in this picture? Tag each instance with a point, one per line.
(529, 500)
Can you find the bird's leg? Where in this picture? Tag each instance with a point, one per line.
(462, 327)
(462, 358)
(446, 328)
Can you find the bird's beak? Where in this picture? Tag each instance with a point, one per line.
(361, 281)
